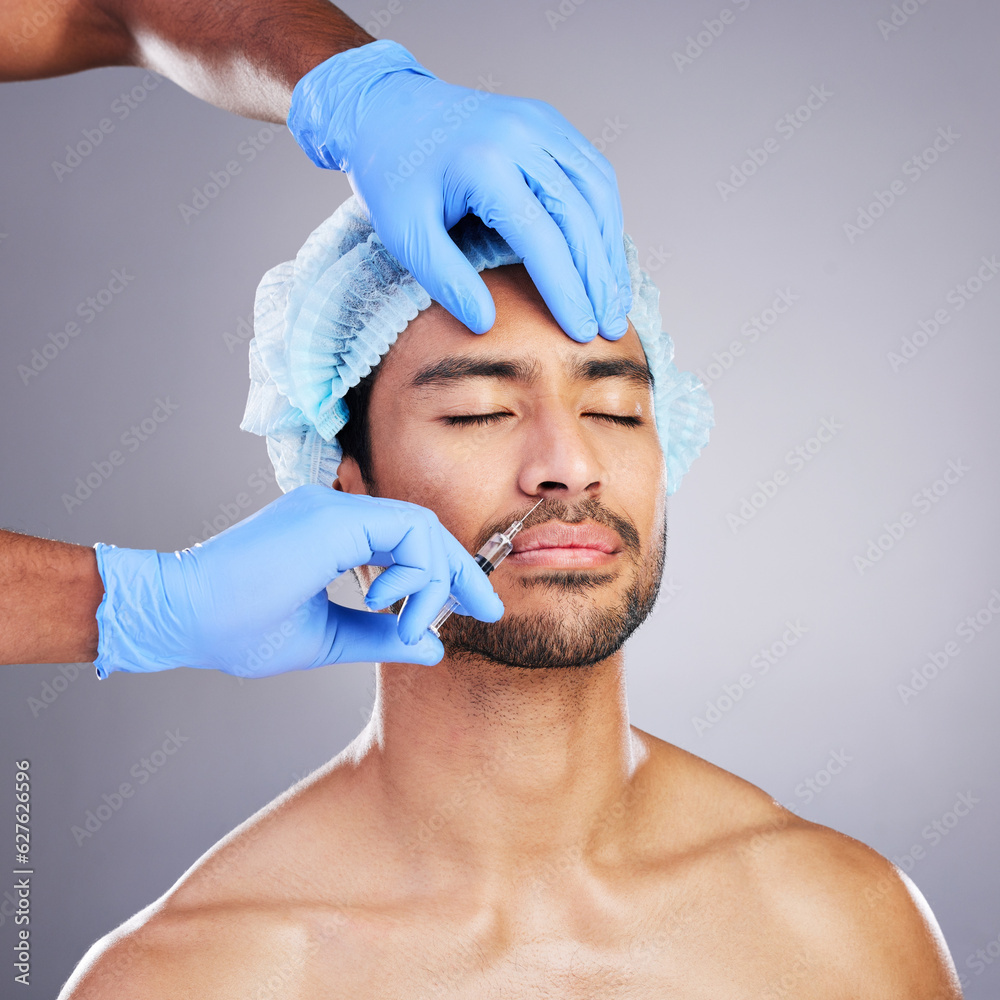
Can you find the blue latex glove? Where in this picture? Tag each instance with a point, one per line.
(421, 154)
(252, 600)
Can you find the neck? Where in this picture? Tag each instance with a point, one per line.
(498, 767)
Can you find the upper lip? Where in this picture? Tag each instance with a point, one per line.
(567, 536)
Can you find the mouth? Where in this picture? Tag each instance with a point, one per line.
(565, 545)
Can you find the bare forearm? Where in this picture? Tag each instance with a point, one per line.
(242, 55)
(49, 595)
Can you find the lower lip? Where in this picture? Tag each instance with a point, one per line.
(561, 557)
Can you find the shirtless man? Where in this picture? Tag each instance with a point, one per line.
(498, 829)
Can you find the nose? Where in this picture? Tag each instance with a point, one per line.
(559, 462)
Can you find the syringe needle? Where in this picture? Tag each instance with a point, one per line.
(520, 521)
(489, 557)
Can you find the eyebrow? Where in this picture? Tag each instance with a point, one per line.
(449, 371)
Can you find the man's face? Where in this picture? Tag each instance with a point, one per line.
(569, 422)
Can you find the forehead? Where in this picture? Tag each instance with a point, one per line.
(525, 342)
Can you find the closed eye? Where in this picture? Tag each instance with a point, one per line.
(615, 419)
(481, 419)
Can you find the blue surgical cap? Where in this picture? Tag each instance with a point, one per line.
(323, 321)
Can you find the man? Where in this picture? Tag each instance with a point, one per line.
(498, 829)
(368, 108)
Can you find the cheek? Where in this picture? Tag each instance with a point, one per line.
(451, 478)
(434, 463)
(643, 474)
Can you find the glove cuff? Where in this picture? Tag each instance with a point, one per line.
(133, 591)
(329, 100)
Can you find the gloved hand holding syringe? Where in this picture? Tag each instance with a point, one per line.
(488, 557)
(209, 606)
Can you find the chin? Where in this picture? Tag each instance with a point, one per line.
(546, 640)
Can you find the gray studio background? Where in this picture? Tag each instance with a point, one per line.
(176, 332)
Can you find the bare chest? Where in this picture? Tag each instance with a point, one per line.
(658, 958)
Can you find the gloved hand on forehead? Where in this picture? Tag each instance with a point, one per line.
(252, 600)
(421, 154)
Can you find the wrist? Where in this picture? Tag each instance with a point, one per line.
(88, 589)
(329, 101)
(133, 593)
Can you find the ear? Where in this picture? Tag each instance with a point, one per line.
(349, 477)
(349, 481)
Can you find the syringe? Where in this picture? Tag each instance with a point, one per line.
(489, 557)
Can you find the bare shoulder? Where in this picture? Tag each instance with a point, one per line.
(243, 915)
(855, 908)
(854, 914)
(167, 952)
